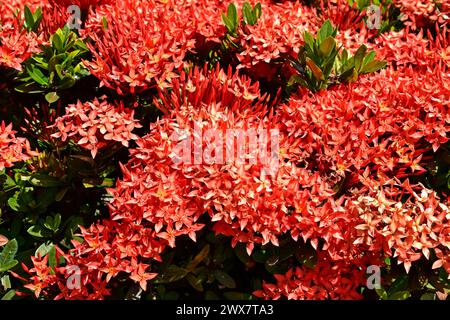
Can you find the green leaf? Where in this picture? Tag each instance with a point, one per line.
(308, 38)
(317, 72)
(29, 19)
(382, 293)
(6, 282)
(44, 180)
(225, 279)
(257, 10)
(231, 19)
(400, 295)
(51, 97)
(43, 250)
(8, 265)
(247, 13)
(198, 258)
(233, 295)
(37, 16)
(56, 222)
(38, 232)
(210, 295)
(37, 75)
(8, 253)
(428, 296)
(52, 257)
(359, 56)
(13, 204)
(400, 284)
(327, 46)
(232, 14)
(195, 282)
(29, 88)
(325, 31)
(369, 57)
(67, 82)
(57, 42)
(373, 66)
(9, 295)
(227, 23)
(172, 274)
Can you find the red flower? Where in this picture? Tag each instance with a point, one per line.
(140, 276)
(327, 280)
(94, 125)
(142, 46)
(13, 149)
(83, 4)
(423, 13)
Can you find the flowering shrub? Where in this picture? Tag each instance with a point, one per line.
(240, 150)
(13, 149)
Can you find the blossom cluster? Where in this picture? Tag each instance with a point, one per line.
(424, 13)
(351, 176)
(12, 148)
(95, 125)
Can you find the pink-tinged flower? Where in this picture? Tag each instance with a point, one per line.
(13, 149)
(409, 229)
(96, 125)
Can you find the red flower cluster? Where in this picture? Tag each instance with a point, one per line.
(95, 125)
(323, 282)
(404, 49)
(278, 33)
(82, 4)
(424, 13)
(342, 176)
(16, 43)
(13, 149)
(409, 228)
(138, 44)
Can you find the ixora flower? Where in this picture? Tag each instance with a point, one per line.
(404, 48)
(357, 175)
(138, 44)
(277, 34)
(96, 125)
(423, 13)
(82, 4)
(410, 229)
(352, 134)
(13, 149)
(343, 15)
(16, 44)
(327, 280)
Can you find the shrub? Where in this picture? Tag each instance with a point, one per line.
(208, 150)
